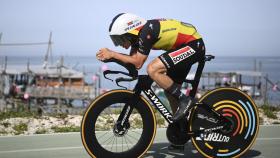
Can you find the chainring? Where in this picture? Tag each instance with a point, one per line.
(176, 135)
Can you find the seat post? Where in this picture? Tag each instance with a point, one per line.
(196, 79)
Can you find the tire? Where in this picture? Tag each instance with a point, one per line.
(99, 119)
(240, 109)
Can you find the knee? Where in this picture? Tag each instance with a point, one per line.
(151, 69)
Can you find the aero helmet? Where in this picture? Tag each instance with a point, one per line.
(124, 26)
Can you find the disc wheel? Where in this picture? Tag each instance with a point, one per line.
(243, 123)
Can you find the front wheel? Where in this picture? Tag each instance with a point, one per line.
(99, 123)
(241, 112)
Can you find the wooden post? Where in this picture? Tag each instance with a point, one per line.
(5, 98)
(265, 92)
(60, 80)
(1, 37)
(254, 78)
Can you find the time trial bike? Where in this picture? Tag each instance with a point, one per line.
(224, 122)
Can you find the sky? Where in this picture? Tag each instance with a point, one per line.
(80, 27)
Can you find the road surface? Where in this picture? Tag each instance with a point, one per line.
(69, 145)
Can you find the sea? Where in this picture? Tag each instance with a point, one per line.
(269, 66)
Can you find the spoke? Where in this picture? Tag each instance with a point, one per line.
(132, 137)
(99, 137)
(128, 140)
(116, 144)
(107, 139)
(136, 132)
(107, 145)
(113, 144)
(122, 144)
(126, 143)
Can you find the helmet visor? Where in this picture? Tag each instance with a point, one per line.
(118, 39)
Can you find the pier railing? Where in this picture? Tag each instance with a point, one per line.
(84, 92)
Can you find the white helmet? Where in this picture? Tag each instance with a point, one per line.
(123, 25)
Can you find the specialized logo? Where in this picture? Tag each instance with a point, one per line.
(133, 24)
(181, 54)
(159, 105)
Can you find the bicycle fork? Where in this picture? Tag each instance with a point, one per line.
(122, 124)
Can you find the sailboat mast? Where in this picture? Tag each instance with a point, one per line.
(49, 52)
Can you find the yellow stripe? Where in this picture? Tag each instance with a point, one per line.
(234, 103)
(223, 150)
(209, 146)
(134, 32)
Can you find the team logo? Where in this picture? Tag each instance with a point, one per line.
(181, 54)
(214, 137)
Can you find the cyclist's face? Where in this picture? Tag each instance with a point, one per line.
(126, 44)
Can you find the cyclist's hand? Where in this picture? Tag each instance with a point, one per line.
(104, 54)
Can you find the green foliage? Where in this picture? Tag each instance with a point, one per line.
(65, 129)
(20, 128)
(270, 107)
(269, 111)
(13, 114)
(160, 120)
(5, 124)
(41, 131)
(60, 115)
(261, 120)
(3, 132)
(138, 122)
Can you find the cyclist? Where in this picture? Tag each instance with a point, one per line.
(181, 42)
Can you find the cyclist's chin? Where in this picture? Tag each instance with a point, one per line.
(126, 46)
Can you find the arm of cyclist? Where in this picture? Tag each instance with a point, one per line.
(135, 58)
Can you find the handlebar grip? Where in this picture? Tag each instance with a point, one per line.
(122, 79)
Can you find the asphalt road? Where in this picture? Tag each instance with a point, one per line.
(70, 146)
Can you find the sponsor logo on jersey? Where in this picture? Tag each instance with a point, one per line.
(169, 29)
(181, 54)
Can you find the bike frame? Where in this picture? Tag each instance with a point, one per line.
(144, 85)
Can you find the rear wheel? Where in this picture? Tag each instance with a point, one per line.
(100, 130)
(235, 139)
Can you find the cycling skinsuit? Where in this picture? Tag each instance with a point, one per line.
(181, 41)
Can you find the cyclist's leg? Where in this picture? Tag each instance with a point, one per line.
(178, 63)
(172, 101)
(157, 71)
